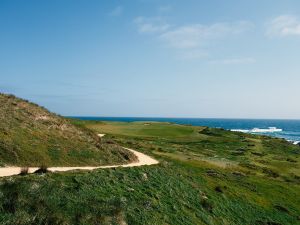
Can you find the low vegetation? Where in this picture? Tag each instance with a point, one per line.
(30, 135)
(42, 169)
(205, 176)
(24, 171)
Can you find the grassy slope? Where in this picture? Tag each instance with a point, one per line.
(32, 136)
(206, 176)
(143, 129)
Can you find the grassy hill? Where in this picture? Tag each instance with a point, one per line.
(30, 135)
(205, 176)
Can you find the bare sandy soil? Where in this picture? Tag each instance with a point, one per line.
(142, 161)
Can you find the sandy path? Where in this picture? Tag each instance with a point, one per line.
(142, 161)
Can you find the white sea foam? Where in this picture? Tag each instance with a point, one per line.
(296, 142)
(240, 130)
(259, 130)
(270, 129)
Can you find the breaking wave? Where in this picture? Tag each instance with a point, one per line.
(259, 130)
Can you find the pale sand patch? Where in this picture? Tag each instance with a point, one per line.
(142, 161)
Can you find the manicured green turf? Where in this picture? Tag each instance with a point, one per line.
(143, 129)
(205, 176)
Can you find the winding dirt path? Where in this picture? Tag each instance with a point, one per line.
(142, 161)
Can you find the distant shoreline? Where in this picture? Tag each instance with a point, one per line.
(159, 118)
(289, 129)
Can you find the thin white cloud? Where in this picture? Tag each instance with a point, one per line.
(197, 35)
(234, 61)
(192, 41)
(283, 26)
(118, 11)
(151, 25)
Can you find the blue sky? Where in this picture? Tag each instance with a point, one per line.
(161, 58)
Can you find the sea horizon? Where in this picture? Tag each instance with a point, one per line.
(288, 129)
(171, 117)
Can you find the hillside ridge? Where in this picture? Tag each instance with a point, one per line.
(30, 135)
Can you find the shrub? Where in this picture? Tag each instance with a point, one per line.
(291, 160)
(281, 208)
(270, 173)
(219, 189)
(42, 169)
(24, 171)
(207, 205)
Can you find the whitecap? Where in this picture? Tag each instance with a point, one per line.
(259, 130)
(240, 130)
(268, 130)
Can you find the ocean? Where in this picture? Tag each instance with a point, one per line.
(288, 129)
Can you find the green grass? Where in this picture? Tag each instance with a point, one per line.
(142, 129)
(205, 176)
(30, 135)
